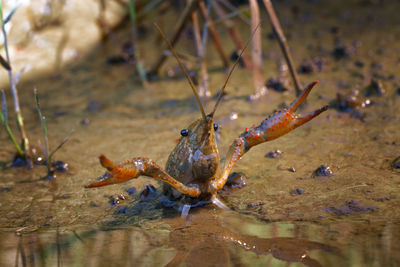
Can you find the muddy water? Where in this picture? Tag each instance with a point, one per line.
(286, 213)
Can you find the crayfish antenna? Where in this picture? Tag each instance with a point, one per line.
(302, 97)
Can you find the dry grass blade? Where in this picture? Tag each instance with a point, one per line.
(62, 143)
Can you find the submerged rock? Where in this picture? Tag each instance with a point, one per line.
(350, 207)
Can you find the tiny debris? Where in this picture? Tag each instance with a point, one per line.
(323, 171)
(274, 154)
(94, 204)
(292, 169)
(297, 191)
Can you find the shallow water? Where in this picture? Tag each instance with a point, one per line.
(352, 216)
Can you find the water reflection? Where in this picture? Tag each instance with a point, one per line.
(207, 238)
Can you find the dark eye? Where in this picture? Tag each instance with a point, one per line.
(215, 126)
(184, 132)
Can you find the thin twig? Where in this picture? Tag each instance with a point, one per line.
(204, 11)
(256, 53)
(62, 143)
(183, 69)
(203, 88)
(276, 26)
(177, 32)
(233, 32)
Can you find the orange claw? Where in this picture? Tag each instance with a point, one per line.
(131, 169)
(276, 125)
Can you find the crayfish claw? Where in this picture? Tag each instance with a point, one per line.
(302, 97)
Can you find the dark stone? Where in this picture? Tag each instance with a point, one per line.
(359, 63)
(115, 200)
(234, 56)
(60, 166)
(276, 85)
(323, 171)
(341, 52)
(297, 191)
(236, 180)
(131, 190)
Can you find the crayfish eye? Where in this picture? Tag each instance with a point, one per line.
(184, 132)
(215, 127)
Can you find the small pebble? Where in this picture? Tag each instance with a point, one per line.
(115, 200)
(276, 85)
(85, 121)
(237, 180)
(291, 169)
(60, 166)
(297, 191)
(323, 171)
(274, 154)
(93, 204)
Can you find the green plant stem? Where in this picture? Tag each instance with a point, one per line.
(20, 119)
(11, 136)
(44, 129)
